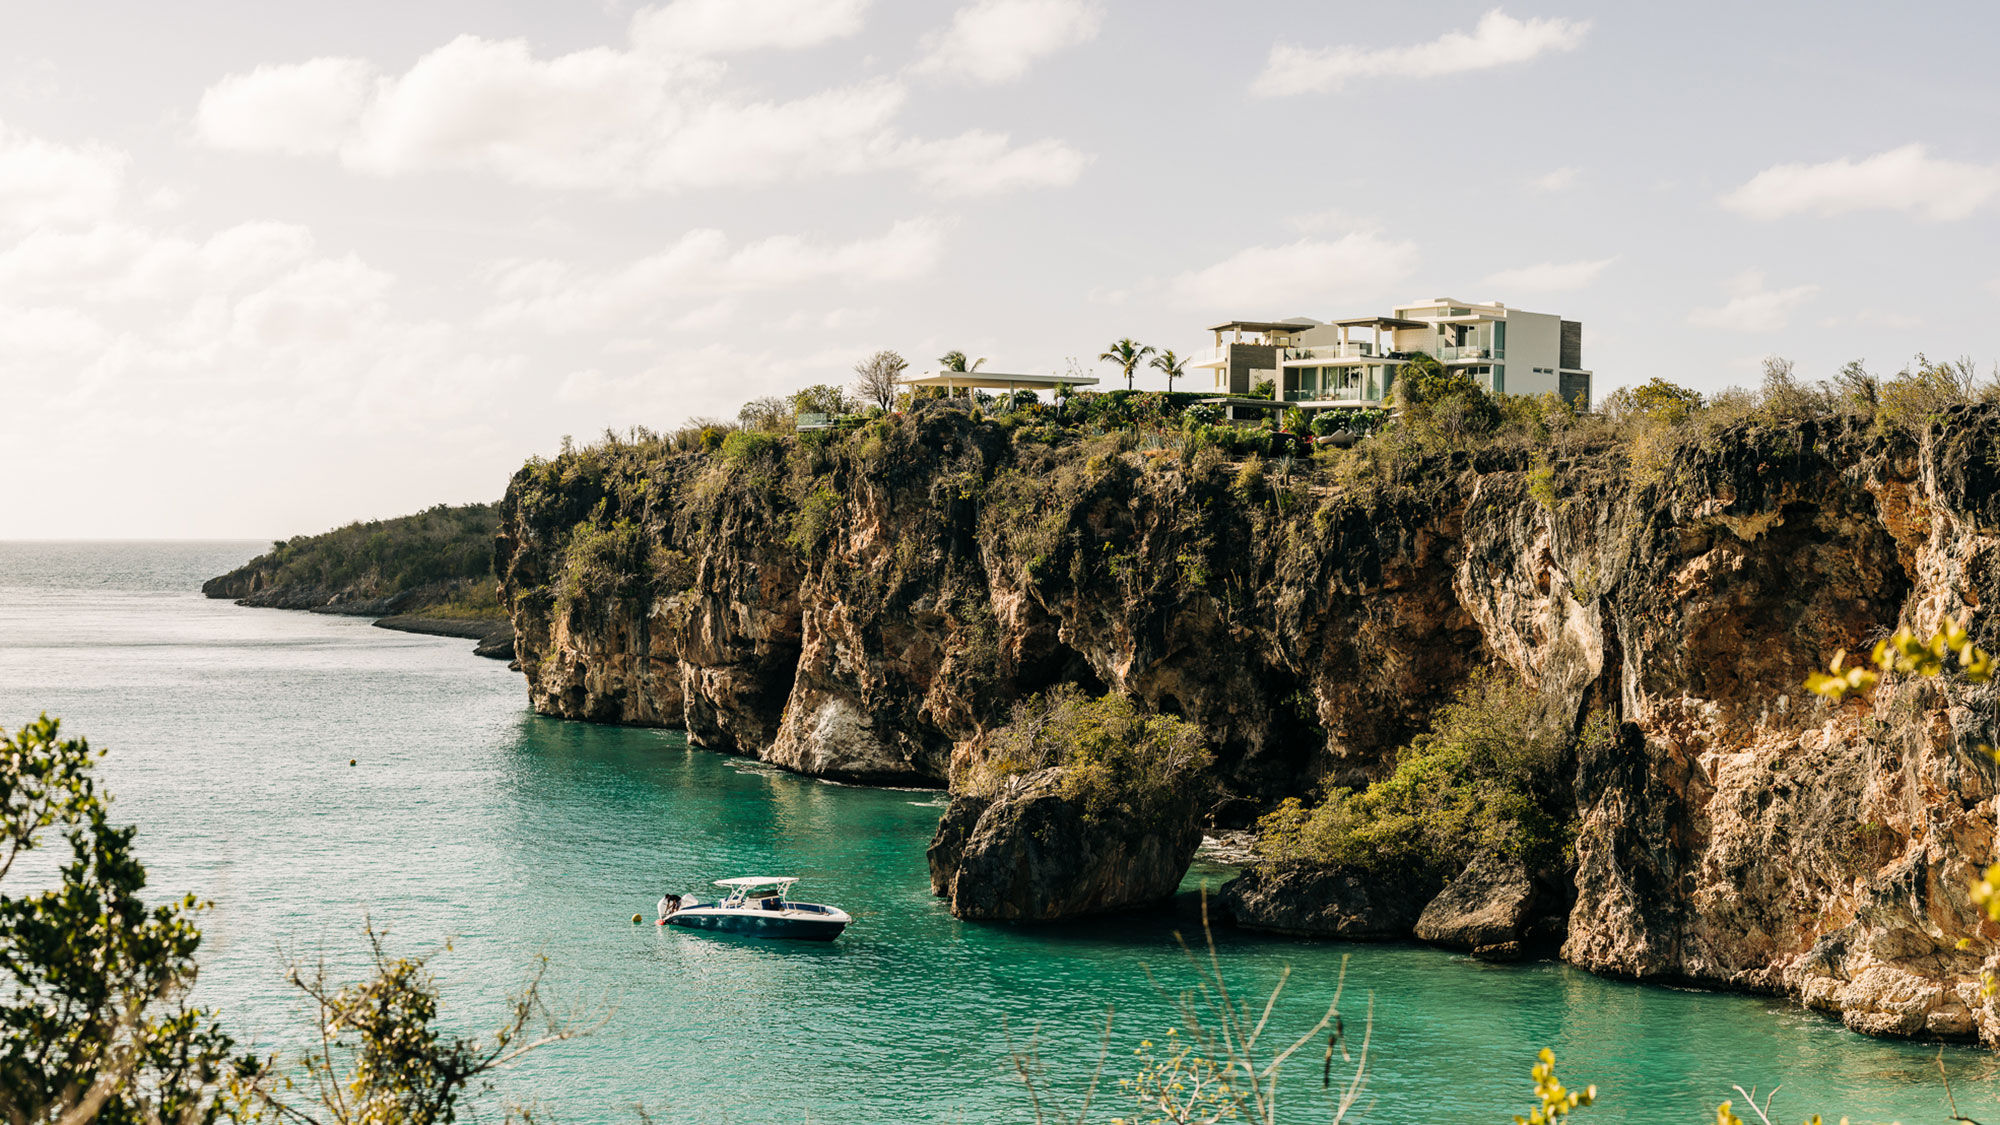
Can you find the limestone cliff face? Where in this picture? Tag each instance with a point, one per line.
(865, 608)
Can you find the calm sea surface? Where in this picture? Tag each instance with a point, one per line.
(472, 822)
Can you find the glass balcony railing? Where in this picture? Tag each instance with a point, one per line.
(1448, 353)
(1355, 350)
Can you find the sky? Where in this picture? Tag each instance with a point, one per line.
(267, 268)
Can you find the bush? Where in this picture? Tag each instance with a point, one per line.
(1249, 482)
(817, 516)
(749, 445)
(1482, 778)
(1116, 760)
(1920, 393)
(1657, 401)
(1443, 405)
(602, 562)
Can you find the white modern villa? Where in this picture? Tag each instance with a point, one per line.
(1351, 362)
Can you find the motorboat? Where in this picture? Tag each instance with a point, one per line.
(756, 906)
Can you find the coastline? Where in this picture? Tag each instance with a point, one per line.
(496, 638)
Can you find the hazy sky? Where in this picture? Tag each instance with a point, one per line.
(266, 268)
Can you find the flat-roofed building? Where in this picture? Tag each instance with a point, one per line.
(1352, 362)
(952, 382)
(1246, 352)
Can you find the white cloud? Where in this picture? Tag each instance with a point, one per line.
(1559, 180)
(1752, 307)
(716, 27)
(1548, 277)
(703, 266)
(1497, 40)
(1901, 179)
(299, 109)
(1282, 280)
(42, 182)
(656, 116)
(980, 163)
(117, 263)
(142, 334)
(995, 41)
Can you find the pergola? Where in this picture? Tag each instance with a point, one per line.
(1258, 328)
(969, 381)
(1378, 323)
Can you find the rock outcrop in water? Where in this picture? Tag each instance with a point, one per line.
(1330, 903)
(1029, 854)
(866, 607)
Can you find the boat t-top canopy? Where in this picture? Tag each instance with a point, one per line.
(758, 881)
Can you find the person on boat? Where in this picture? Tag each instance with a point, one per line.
(669, 903)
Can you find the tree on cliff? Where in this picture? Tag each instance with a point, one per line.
(875, 378)
(822, 398)
(1658, 400)
(770, 412)
(1447, 402)
(1127, 354)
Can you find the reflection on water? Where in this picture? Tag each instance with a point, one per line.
(470, 820)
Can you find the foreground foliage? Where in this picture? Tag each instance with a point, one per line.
(381, 1058)
(94, 1020)
(1219, 1063)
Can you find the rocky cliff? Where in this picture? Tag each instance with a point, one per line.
(863, 606)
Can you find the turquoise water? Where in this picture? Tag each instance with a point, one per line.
(470, 820)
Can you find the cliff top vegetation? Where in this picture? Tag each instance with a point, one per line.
(447, 547)
(1438, 411)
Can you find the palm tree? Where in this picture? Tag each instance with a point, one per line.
(956, 361)
(1128, 354)
(1173, 365)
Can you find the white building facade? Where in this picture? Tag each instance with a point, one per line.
(1352, 362)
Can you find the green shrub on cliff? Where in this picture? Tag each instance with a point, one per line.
(602, 562)
(749, 445)
(1919, 394)
(1116, 760)
(816, 517)
(1482, 778)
